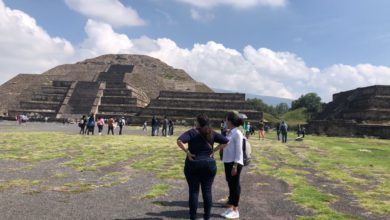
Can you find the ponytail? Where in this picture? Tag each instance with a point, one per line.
(204, 127)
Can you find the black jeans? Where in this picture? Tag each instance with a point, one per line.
(90, 129)
(110, 128)
(284, 137)
(200, 173)
(120, 129)
(100, 127)
(233, 183)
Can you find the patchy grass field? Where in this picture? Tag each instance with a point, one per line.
(332, 178)
(331, 175)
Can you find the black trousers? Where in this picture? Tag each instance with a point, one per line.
(90, 129)
(200, 173)
(110, 128)
(233, 183)
(82, 130)
(100, 128)
(120, 129)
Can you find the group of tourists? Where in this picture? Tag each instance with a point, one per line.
(22, 119)
(87, 125)
(166, 125)
(200, 166)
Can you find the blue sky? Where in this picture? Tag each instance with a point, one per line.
(341, 41)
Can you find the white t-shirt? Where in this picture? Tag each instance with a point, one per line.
(233, 151)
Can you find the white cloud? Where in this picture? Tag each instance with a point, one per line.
(112, 12)
(201, 16)
(26, 47)
(235, 3)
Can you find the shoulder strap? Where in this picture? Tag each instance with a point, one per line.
(210, 146)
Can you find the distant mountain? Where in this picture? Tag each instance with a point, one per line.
(269, 100)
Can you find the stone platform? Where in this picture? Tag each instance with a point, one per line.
(359, 112)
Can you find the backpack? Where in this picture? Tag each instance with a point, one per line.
(121, 122)
(283, 127)
(247, 150)
(91, 123)
(81, 123)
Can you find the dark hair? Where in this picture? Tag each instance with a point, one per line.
(235, 119)
(204, 127)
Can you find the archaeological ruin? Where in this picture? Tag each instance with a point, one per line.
(134, 86)
(362, 112)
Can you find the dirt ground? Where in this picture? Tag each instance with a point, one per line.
(125, 201)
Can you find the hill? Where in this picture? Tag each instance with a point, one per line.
(295, 117)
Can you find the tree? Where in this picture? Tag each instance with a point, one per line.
(281, 108)
(259, 105)
(310, 101)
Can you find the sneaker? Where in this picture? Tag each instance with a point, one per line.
(226, 212)
(233, 215)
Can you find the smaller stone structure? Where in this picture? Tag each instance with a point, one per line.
(358, 112)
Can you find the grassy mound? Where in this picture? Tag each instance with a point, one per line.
(295, 117)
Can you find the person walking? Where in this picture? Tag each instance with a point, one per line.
(170, 127)
(233, 158)
(154, 126)
(110, 124)
(278, 131)
(100, 124)
(91, 124)
(261, 130)
(164, 127)
(121, 123)
(283, 131)
(200, 167)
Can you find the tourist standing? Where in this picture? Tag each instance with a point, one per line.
(91, 124)
(145, 126)
(82, 123)
(283, 131)
(261, 130)
(121, 123)
(200, 167)
(110, 124)
(154, 126)
(100, 124)
(298, 130)
(233, 158)
(158, 127)
(171, 127)
(278, 131)
(164, 127)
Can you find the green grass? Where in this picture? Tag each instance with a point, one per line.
(295, 117)
(157, 190)
(352, 164)
(359, 166)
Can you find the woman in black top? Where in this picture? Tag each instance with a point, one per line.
(200, 167)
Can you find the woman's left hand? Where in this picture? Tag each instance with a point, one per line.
(234, 171)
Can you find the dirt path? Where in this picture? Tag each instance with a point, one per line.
(263, 197)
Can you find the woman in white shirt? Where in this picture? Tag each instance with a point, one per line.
(233, 158)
